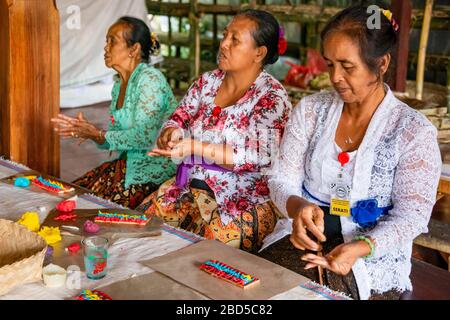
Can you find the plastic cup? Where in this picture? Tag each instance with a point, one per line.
(95, 250)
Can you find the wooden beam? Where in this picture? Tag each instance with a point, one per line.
(304, 12)
(440, 12)
(401, 11)
(300, 11)
(29, 83)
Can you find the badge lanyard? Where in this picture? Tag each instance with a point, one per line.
(340, 191)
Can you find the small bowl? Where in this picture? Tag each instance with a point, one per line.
(54, 276)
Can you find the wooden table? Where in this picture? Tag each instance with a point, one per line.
(429, 282)
(124, 255)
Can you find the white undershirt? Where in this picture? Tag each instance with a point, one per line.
(329, 173)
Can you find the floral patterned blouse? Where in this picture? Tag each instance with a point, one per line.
(133, 129)
(253, 127)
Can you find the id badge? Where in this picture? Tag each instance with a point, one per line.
(340, 200)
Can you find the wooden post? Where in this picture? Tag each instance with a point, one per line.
(169, 35)
(178, 46)
(194, 47)
(215, 35)
(401, 11)
(423, 48)
(448, 87)
(29, 83)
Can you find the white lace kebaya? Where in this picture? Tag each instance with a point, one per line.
(398, 163)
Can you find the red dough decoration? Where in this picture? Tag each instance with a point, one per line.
(66, 205)
(74, 247)
(66, 217)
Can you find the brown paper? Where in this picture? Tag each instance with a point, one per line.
(78, 190)
(112, 232)
(152, 286)
(183, 266)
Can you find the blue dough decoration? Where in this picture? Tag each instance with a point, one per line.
(21, 182)
(367, 212)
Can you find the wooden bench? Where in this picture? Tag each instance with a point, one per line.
(438, 236)
(429, 282)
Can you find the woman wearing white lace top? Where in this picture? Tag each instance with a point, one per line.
(363, 170)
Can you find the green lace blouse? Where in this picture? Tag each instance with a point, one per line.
(133, 129)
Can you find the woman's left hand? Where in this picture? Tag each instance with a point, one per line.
(186, 147)
(340, 260)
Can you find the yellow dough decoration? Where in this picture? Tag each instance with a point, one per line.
(30, 220)
(50, 234)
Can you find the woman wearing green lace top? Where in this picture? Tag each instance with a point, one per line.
(142, 100)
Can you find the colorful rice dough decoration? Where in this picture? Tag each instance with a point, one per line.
(93, 295)
(225, 272)
(51, 185)
(121, 218)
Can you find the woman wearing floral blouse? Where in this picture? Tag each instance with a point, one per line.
(141, 101)
(226, 129)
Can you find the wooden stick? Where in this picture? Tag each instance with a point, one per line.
(423, 48)
(320, 269)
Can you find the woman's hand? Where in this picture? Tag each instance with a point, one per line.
(169, 137)
(79, 127)
(63, 125)
(341, 259)
(182, 149)
(309, 217)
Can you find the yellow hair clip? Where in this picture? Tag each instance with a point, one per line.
(387, 14)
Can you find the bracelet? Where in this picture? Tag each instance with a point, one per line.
(369, 242)
(101, 134)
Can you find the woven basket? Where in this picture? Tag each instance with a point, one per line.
(22, 254)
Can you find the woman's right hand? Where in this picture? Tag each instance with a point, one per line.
(309, 217)
(169, 137)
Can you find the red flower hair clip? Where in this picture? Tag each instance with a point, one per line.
(282, 43)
